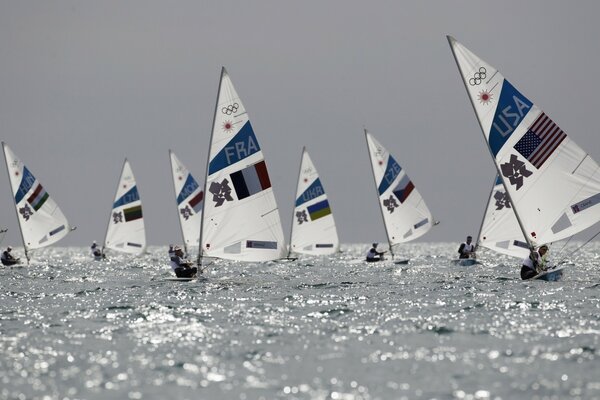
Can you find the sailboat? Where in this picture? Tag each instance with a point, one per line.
(405, 215)
(125, 231)
(240, 218)
(189, 197)
(41, 222)
(500, 230)
(552, 184)
(313, 226)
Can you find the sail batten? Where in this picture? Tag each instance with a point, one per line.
(41, 221)
(240, 217)
(552, 183)
(313, 225)
(126, 231)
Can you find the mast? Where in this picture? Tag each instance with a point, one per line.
(109, 217)
(175, 190)
(212, 132)
(376, 192)
(531, 246)
(294, 202)
(484, 214)
(15, 203)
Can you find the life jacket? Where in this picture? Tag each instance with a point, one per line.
(372, 254)
(528, 262)
(468, 247)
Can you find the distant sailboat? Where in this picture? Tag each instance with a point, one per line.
(405, 215)
(41, 221)
(500, 230)
(189, 197)
(313, 226)
(125, 230)
(240, 218)
(551, 183)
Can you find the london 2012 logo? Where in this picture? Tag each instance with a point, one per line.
(478, 77)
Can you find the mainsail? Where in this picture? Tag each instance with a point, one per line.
(553, 185)
(125, 230)
(189, 197)
(405, 214)
(240, 218)
(499, 228)
(41, 221)
(313, 226)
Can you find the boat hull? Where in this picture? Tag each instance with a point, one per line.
(8, 263)
(550, 276)
(465, 262)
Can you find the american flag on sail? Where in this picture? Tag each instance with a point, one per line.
(541, 140)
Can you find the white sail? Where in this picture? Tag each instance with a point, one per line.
(553, 184)
(404, 211)
(126, 231)
(240, 219)
(500, 229)
(41, 221)
(313, 226)
(189, 197)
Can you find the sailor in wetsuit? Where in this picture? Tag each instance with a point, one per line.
(535, 263)
(96, 251)
(7, 258)
(467, 250)
(182, 267)
(374, 255)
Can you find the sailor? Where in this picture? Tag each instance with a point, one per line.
(7, 258)
(374, 255)
(182, 267)
(535, 263)
(467, 249)
(96, 251)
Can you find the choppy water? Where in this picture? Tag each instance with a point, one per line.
(318, 328)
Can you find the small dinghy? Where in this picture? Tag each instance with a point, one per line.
(405, 215)
(313, 227)
(125, 231)
(551, 184)
(41, 221)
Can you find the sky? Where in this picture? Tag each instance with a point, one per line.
(85, 84)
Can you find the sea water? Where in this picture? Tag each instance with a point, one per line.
(315, 328)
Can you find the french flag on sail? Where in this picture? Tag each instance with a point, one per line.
(251, 180)
(540, 141)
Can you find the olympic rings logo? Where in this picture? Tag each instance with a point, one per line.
(230, 109)
(478, 77)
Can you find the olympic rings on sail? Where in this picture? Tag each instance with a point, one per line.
(230, 109)
(478, 77)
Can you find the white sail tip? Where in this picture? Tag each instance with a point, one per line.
(451, 40)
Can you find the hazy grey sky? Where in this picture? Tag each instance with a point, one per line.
(85, 84)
